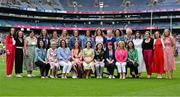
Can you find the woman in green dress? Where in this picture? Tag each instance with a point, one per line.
(30, 45)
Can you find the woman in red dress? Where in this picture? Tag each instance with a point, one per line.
(10, 52)
(158, 56)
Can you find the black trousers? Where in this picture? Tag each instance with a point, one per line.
(110, 68)
(44, 68)
(18, 61)
(133, 68)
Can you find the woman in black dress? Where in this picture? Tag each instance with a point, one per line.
(19, 53)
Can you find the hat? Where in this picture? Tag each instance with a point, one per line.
(110, 43)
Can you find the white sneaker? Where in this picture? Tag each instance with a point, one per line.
(51, 76)
(113, 76)
(18, 75)
(42, 77)
(29, 75)
(100, 77)
(46, 77)
(74, 77)
(110, 77)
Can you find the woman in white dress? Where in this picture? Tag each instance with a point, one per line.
(138, 45)
(98, 36)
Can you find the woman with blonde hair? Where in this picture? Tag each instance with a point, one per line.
(52, 59)
(169, 52)
(121, 56)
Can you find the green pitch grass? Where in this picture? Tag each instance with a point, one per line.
(91, 87)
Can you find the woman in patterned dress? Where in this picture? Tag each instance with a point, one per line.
(88, 59)
(169, 52)
(52, 59)
(30, 45)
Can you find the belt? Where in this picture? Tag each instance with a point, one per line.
(18, 47)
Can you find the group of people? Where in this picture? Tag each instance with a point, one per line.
(83, 56)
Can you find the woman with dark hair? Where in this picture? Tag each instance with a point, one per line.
(147, 47)
(110, 60)
(29, 50)
(133, 60)
(118, 35)
(19, 53)
(55, 38)
(158, 56)
(99, 60)
(88, 59)
(64, 36)
(169, 52)
(76, 55)
(98, 36)
(88, 38)
(10, 52)
(44, 36)
(138, 45)
(74, 38)
(40, 59)
(64, 56)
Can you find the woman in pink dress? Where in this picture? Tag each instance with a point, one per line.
(158, 55)
(76, 54)
(169, 51)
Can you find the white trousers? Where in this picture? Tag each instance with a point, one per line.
(66, 66)
(121, 67)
